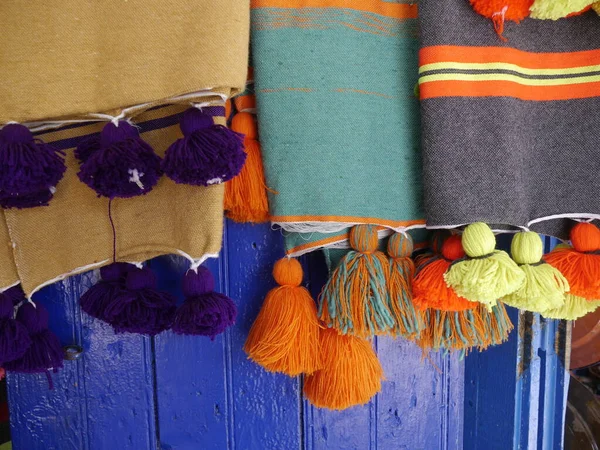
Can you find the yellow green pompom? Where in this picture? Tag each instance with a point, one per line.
(574, 308)
(544, 287)
(557, 9)
(487, 274)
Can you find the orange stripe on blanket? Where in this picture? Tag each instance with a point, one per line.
(434, 89)
(348, 219)
(460, 54)
(393, 10)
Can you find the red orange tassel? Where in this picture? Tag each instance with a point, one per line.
(430, 289)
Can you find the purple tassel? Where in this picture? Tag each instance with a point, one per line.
(14, 337)
(45, 352)
(97, 298)
(118, 162)
(41, 198)
(139, 307)
(204, 312)
(30, 169)
(207, 154)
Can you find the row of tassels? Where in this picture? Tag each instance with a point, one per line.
(453, 299)
(500, 11)
(117, 162)
(127, 298)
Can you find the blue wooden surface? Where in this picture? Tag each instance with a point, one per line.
(180, 393)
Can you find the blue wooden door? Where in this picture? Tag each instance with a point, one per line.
(175, 392)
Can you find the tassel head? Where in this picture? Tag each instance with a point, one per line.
(288, 272)
(478, 240)
(363, 238)
(527, 248)
(585, 237)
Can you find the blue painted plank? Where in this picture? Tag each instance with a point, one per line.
(50, 419)
(118, 379)
(354, 428)
(421, 403)
(266, 411)
(102, 401)
(490, 383)
(191, 387)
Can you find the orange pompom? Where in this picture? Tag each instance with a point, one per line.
(585, 237)
(501, 10)
(452, 248)
(244, 123)
(246, 195)
(350, 376)
(429, 287)
(245, 103)
(288, 272)
(285, 335)
(515, 10)
(580, 265)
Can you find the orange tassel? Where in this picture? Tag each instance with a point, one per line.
(580, 265)
(430, 289)
(285, 335)
(245, 195)
(350, 376)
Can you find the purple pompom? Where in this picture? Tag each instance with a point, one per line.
(14, 337)
(118, 162)
(207, 154)
(139, 307)
(45, 351)
(204, 312)
(30, 169)
(97, 298)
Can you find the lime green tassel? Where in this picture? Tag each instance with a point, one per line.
(487, 274)
(573, 308)
(545, 287)
(557, 9)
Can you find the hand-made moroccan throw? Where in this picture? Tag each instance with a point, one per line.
(98, 101)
